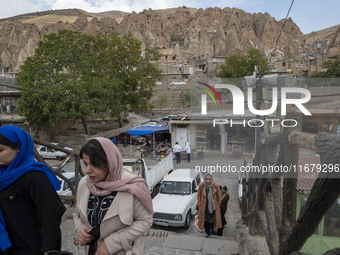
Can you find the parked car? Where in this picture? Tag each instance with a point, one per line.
(61, 146)
(177, 198)
(150, 123)
(178, 83)
(65, 189)
(50, 153)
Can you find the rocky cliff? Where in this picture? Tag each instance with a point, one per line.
(196, 33)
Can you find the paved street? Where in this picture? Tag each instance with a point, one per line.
(166, 240)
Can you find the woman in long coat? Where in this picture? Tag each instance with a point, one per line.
(209, 202)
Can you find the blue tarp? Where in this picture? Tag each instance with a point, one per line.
(146, 130)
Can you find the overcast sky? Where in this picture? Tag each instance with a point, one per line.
(309, 15)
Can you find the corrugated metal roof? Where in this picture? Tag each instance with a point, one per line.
(306, 179)
(8, 84)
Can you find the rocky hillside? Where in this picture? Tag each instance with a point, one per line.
(199, 33)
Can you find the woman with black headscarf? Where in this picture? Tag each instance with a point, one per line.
(30, 208)
(209, 201)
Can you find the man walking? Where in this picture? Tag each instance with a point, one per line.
(187, 150)
(177, 151)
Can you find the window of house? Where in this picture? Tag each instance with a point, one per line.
(9, 101)
(326, 126)
(310, 127)
(283, 63)
(9, 104)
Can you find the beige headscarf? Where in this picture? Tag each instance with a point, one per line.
(209, 188)
(114, 182)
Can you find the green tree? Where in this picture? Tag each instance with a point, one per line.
(78, 75)
(240, 65)
(332, 69)
(175, 38)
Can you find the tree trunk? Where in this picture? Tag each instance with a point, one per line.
(254, 223)
(120, 122)
(86, 127)
(290, 159)
(266, 192)
(325, 191)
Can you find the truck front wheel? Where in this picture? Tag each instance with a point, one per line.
(187, 220)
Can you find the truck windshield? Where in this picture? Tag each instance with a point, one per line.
(175, 188)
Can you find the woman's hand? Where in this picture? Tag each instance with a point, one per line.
(102, 249)
(83, 236)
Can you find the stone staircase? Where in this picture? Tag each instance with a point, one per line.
(198, 244)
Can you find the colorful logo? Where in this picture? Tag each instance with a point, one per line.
(209, 93)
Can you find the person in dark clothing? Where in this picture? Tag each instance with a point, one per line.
(30, 208)
(177, 151)
(224, 207)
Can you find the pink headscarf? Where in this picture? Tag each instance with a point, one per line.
(114, 182)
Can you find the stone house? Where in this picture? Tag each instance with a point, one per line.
(9, 98)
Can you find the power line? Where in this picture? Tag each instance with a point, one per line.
(281, 29)
(57, 96)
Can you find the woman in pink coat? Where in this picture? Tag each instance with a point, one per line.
(113, 208)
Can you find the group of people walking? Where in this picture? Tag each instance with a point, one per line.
(177, 149)
(113, 208)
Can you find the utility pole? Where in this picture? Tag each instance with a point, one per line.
(167, 70)
(258, 107)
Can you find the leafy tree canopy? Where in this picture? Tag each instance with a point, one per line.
(240, 65)
(332, 69)
(78, 75)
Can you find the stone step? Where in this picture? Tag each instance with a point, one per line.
(214, 245)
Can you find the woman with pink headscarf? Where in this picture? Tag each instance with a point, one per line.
(114, 208)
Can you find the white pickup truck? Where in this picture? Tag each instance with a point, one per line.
(153, 175)
(177, 199)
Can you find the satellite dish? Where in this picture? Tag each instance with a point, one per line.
(251, 80)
